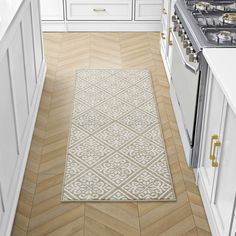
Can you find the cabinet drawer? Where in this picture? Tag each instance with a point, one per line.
(148, 10)
(99, 10)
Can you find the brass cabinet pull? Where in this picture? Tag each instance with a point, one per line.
(169, 40)
(164, 11)
(214, 145)
(99, 9)
(163, 36)
(213, 137)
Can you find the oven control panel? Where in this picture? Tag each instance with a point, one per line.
(186, 43)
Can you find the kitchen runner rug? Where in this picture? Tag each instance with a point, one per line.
(116, 150)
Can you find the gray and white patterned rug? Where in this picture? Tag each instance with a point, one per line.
(116, 150)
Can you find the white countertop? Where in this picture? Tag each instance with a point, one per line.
(222, 62)
(8, 10)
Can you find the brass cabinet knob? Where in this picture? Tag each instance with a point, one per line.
(163, 36)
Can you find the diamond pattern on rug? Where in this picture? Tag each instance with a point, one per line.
(142, 151)
(91, 121)
(114, 108)
(149, 107)
(134, 96)
(89, 187)
(116, 135)
(90, 151)
(147, 186)
(77, 135)
(117, 168)
(116, 151)
(92, 95)
(138, 121)
(113, 84)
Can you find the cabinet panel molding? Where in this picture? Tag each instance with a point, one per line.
(19, 87)
(52, 10)
(37, 34)
(148, 10)
(99, 10)
(8, 137)
(29, 55)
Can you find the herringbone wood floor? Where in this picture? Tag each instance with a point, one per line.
(40, 211)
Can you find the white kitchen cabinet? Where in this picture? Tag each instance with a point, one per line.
(217, 159)
(212, 125)
(101, 15)
(166, 34)
(52, 10)
(22, 72)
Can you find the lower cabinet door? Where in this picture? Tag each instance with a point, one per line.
(148, 10)
(8, 136)
(211, 136)
(223, 202)
(52, 10)
(217, 173)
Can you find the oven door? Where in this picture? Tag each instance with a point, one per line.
(185, 78)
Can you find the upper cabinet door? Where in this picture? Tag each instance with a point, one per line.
(52, 10)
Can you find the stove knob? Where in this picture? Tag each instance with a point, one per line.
(181, 31)
(184, 37)
(179, 27)
(176, 25)
(192, 57)
(174, 18)
(186, 43)
(189, 50)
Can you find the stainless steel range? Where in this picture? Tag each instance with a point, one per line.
(197, 24)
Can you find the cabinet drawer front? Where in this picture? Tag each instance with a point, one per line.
(148, 10)
(94, 10)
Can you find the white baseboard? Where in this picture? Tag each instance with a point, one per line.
(103, 26)
(21, 165)
(53, 26)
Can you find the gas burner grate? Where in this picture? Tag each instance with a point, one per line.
(220, 36)
(211, 6)
(216, 19)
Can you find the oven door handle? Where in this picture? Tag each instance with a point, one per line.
(186, 64)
